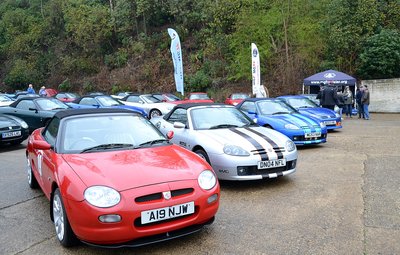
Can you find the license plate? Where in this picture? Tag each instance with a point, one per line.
(312, 135)
(167, 213)
(271, 163)
(11, 134)
(330, 122)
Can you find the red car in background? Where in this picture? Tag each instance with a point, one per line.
(236, 98)
(66, 97)
(113, 180)
(168, 98)
(198, 97)
(50, 92)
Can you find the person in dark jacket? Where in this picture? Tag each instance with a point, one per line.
(360, 109)
(365, 101)
(328, 97)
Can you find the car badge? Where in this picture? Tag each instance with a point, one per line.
(10, 128)
(270, 150)
(167, 195)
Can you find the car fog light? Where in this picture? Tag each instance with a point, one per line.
(110, 218)
(212, 199)
(242, 170)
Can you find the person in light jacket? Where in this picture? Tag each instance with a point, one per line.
(348, 101)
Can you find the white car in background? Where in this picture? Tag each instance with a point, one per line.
(151, 105)
(5, 100)
(236, 147)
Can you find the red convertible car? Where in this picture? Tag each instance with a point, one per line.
(113, 180)
(236, 98)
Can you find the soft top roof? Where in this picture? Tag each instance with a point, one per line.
(191, 105)
(292, 96)
(30, 99)
(255, 99)
(75, 112)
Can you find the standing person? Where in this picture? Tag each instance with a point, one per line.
(348, 101)
(328, 97)
(340, 102)
(42, 91)
(365, 102)
(360, 109)
(30, 89)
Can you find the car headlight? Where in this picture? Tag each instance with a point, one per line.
(101, 196)
(322, 124)
(234, 150)
(207, 180)
(291, 126)
(22, 123)
(290, 146)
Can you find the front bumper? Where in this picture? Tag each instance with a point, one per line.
(237, 168)
(84, 218)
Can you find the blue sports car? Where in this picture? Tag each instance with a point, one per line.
(276, 114)
(102, 101)
(307, 107)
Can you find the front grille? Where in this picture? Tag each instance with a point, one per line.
(263, 151)
(253, 170)
(8, 129)
(158, 196)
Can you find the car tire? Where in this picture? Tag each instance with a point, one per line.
(203, 155)
(154, 113)
(32, 182)
(64, 232)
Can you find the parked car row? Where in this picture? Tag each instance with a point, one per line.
(144, 168)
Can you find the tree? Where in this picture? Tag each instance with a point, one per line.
(380, 58)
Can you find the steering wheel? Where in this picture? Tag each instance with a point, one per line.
(83, 143)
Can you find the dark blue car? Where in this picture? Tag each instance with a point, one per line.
(276, 114)
(307, 107)
(102, 101)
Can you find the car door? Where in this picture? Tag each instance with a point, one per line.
(28, 111)
(181, 135)
(45, 158)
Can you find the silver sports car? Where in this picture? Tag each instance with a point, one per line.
(236, 147)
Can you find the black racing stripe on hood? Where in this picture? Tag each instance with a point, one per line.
(269, 140)
(264, 156)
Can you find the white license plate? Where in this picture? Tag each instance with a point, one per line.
(167, 212)
(271, 163)
(330, 122)
(11, 134)
(312, 135)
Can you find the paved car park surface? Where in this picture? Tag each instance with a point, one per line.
(343, 199)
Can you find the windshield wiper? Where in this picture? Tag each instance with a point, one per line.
(150, 143)
(107, 147)
(280, 113)
(58, 108)
(223, 126)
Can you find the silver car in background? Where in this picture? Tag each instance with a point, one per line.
(236, 147)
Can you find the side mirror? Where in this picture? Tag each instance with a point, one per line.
(179, 125)
(170, 135)
(41, 145)
(251, 112)
(255, 120)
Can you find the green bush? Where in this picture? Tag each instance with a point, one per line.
(65, 85)
(200, 81)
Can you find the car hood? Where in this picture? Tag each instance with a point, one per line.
(129, 169)
(322, 113)
(7, 122)
(295, 119)
(247, 138)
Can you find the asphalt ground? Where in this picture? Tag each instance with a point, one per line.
(343, 199)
